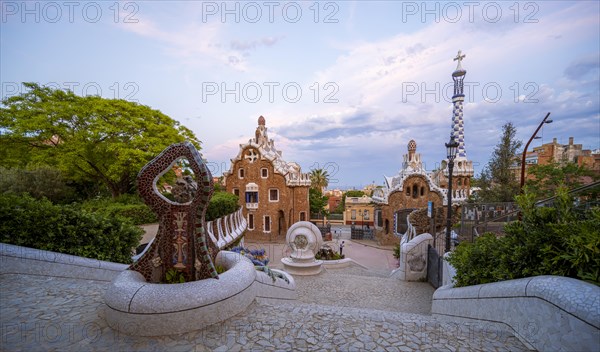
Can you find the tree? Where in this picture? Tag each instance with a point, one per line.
(89, 138)
(319, 179)
(221, 204)
(548, 177)
(317, 201)
(498, 183)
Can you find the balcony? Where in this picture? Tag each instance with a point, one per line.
(252, 206)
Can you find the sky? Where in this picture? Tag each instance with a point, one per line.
(343, 85)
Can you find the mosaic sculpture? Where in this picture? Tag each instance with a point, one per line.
(181, 242)
(305, 240)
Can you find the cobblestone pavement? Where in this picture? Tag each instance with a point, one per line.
(47, 313)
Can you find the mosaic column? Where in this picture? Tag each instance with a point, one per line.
(181, 242)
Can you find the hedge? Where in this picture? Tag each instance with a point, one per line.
(25, 221)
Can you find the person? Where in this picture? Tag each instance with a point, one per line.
(341, 247)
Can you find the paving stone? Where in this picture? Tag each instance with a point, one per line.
(359, 312)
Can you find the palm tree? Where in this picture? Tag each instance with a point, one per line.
(319, 179)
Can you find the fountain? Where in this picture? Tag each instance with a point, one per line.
(304, 238)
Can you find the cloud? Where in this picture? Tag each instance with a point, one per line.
(585, 66)
(249, 45)
(192, 43)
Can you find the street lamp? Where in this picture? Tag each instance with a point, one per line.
(451, 149)
(545, 120)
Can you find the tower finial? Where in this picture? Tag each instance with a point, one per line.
(459, 58)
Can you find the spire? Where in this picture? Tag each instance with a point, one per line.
(458, 130)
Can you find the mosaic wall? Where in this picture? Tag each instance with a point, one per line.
(181, 241)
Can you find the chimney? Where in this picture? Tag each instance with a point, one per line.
(570, 140)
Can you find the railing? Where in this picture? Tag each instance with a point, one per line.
(252, 205)
(227, 230)
(361, 234)
(487, 226)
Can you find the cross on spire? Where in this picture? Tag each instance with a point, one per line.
(459, 58)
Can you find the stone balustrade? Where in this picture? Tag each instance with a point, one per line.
(227, 230)
(548, 313)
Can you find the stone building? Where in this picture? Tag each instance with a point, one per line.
(359, 211)
(411, 189)
(559, 153)
(272, 192)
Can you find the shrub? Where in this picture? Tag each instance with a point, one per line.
(127, 206)
(27, 222)
(40, 182)
(397, 251)
(221, 204)
(548, 241)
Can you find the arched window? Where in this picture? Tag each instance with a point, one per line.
(387, 226)
(415, 191)
(422, 191)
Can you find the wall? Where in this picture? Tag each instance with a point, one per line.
(30, 261)
(549, 313)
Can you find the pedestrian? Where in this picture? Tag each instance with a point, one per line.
(341, 247)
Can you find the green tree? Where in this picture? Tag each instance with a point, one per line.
(497, 181)
(317, 201)
(221, 204)
(319, 179)
(89, 138)
(548, 177)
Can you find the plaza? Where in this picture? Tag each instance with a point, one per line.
(352, 309)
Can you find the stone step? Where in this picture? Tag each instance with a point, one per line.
(301, 326)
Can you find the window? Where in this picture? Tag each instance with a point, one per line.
(251, 221)
(353, 216)
(264, 172)
(302, 216)
(274, 195)
(251, 197)
(415, 191)
(267, 223)
(408, 191)
(422, 191)
(366, 215)
(241, 173)
(236, 191)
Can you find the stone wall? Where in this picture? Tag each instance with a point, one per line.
(549, 313)
(31, 261)
(421, 221)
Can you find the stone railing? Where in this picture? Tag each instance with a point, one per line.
(222, 232)
(227, 230)
(413, 258)
(548, 313)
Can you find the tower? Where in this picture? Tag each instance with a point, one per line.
(463, 168)
(458, 128)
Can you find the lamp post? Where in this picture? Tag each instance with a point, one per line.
(362, 215)
(451, 149)
(545, 120)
